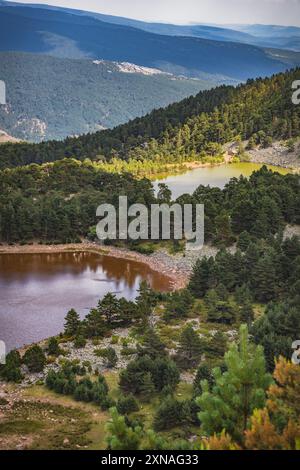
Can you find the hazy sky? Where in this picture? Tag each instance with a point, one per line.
(285, 12)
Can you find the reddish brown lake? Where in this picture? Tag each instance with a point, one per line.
(37, 290)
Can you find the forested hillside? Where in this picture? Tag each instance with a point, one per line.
(52, 98)
(57, 202)
(261, 109)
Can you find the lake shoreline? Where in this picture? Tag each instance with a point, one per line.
(277, 155)
(173, 169)
(178, 279)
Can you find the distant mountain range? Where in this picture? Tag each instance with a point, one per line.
(51, 98)
(274, 36)
(70, 72)
(260, 110)
(61, 33)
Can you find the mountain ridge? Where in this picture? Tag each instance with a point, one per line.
(260, 110)
(52, 98)
(68, 35)
(276, 36)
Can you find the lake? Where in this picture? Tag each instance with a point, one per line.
(215, 176)
(37, 290)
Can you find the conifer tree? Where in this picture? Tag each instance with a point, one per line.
(236, 392)
(244, 241)
(204, 372)
(94, 324)
(147, 388)
(222, 312)
(276, 330)
(202, 277)
(247, 314)
(53, 347)
(222, 292)
(264, 278)
(284, 393)
(178, 304)
(243, 295)
(108, 309)
(120, 436)
(190, 348)
(152, 345)
(110, 357)
(72, 323)
(11, 370)
(145, 302)
(35, 359)
(168, 415)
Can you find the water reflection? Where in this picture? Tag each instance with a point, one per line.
(36, 290)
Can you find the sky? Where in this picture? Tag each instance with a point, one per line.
(281, 12)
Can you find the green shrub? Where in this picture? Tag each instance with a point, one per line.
(35, 359)
(127, 404)
(79, 342)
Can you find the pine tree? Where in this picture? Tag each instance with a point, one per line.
(53, 347)
(264, 278)
(79, 341)
(145, 302)
(147, 388)
(164, 194)
(119, 435)
(204, 372)
(152, 345)
(284, 394)
(72, 323)
(190, 348)
(244, 241)
(111, 358)
(223, 232)
(237, 392)
(243, 295)
(168, 415)
(222, 292)
(35, 359)
(127, 404)
(94, 324)
(178, 305)
(202, 278)
(222, 312)
(247, 314)
(11, 370)
(108, 309)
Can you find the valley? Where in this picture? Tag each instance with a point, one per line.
(52, 98)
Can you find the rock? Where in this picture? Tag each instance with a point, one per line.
(66, 441)
(20, 447)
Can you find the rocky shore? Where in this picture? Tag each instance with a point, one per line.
(278, 154)
(176, 267)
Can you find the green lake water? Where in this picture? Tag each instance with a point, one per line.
(215, 176)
